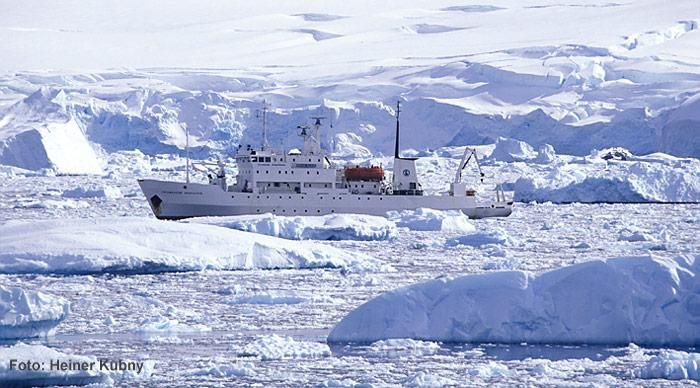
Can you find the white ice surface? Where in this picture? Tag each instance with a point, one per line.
(423, 219)
(646, 300)
(494, 236)
(329, 227)
(672, 365)
(26, 313)
(167, 326)
(276, 347)
(650, 178)
(138, 245)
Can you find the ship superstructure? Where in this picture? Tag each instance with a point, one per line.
(307, 182)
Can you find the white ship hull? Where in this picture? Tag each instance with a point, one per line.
(176, 200)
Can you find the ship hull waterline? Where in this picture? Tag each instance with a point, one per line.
(177, 200)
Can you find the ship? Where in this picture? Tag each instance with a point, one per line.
(307, 182)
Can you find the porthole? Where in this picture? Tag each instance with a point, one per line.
(318, 211)
(332, 210)
(306, 211)
(258, 210)
(184, 187)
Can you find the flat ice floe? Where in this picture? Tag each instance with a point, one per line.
(94, 372)
(328, 227)
(495, 236)
(423, 219)
(645, 300)
(27, 314)
(144, 245)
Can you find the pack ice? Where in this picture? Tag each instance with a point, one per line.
(645, 300)
(329, 227)
(27, 314)
(143, 245)
(13, 376)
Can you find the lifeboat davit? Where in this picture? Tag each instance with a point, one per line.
(372, 173)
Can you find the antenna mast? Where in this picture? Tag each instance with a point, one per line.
(264, 129)
(187, 152)
(396, 148)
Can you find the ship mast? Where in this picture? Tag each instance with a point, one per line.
(396, 148)
(264, 125)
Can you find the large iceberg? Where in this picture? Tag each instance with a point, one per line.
(646, 300)
(145, 245)
(57, 368)
(328, 227)
(672, 365)
(423, 219)
(615, 177)
(27, 314)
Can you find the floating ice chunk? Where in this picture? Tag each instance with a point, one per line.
(671, 365)
(634, 235)
(402, 347)
(167, 326)
(423, 219)
(144, 245)
(91, 370)
(426, 379)
(495, 236)
(26, 314)
(344, 383)
(545, 155)
(646, 300)
(276, 347)
(489, 370)
(511, 150)
(226, 370)
(106, 191)
(328, 227)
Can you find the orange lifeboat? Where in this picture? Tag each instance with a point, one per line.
(357, 173)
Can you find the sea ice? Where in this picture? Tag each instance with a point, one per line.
(26, 314)
(276, 347)
(145, 245)
(11, 375)
(226, 370)
(423, 219)
(167, 326)
(646, 300)
(104, 191)
(494, 236)
(425, 379)
(401, 348)
(328, 227)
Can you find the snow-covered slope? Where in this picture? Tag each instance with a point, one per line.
(26, 314)
(579, 76)
(144, 245)
(646, 300)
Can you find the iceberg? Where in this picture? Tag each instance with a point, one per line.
(672, 365)
(646, 300)
(650, 178)
(27, 314)
(423, 219)
(143, 245)
(328, 227)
